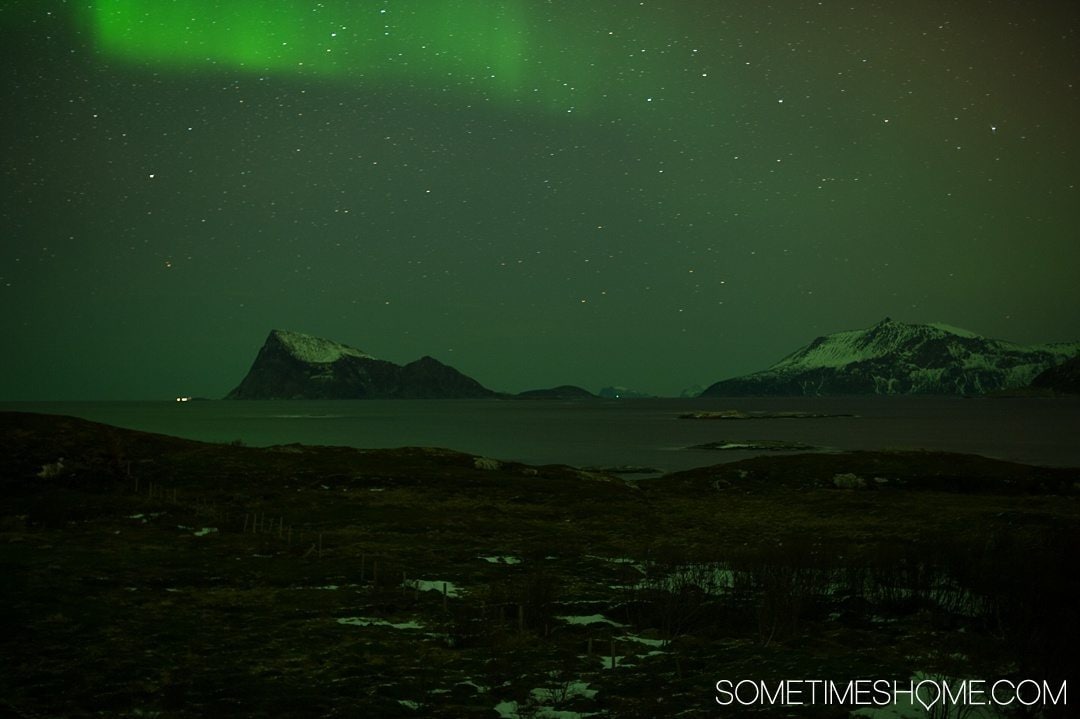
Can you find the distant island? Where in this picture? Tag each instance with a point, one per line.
(562, 392)
(623, 393)
(901, 358)
(292, 365)
(760, 414)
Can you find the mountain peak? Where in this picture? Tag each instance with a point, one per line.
(309, 348)
(427, 360)
(294, 365)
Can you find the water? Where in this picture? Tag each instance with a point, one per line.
(617, 432)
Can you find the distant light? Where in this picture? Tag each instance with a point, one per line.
(183, 399)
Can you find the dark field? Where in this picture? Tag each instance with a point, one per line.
(118, 601)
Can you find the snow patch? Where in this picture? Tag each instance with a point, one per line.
(434, 585)
(315, 349)
(507, 710)
(589, 619)
(367, 622)
(501, 560)
(510, 710)
(53, 470)
(644, 640)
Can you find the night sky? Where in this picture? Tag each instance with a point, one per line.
(653, 194)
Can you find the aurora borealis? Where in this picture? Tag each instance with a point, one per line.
(352, 41)
(649, 194)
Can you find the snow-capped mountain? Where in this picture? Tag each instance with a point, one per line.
(292, 365)
(315, 349)
(900, 358)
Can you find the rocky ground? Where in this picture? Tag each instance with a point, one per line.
(152, 576)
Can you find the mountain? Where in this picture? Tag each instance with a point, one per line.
(623, 393)
(1062, 379)
(899, 358)
(563, 392)
(692, 391)
(292, 365)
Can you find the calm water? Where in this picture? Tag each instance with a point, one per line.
(605, 433)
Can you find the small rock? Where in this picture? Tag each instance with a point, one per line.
(848, 480)
(486, 463)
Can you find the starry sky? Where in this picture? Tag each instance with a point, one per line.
(656, 194)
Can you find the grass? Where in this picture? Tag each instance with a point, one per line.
(759, 569)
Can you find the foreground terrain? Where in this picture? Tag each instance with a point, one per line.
(151, 576)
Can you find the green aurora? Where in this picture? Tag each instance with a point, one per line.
(498, 48)
(654, 194)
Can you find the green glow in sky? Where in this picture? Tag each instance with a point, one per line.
(652, 194)
(479, 42)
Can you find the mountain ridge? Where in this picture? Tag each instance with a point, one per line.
(294, 365)
(893, 357)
